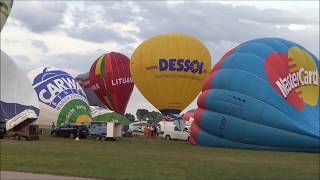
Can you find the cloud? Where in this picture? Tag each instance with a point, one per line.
(24, 63)
(39, 17)
(40, 44)
(216, 22)
(98, 34)
(211, 22)
(76, 63)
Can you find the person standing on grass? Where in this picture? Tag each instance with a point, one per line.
(158, 129)
(53, 126)
(154, 130)
(145, 131)
(151, 130)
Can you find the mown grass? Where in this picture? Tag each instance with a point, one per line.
(139, 158)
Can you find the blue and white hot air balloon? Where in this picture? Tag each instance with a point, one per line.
(263, 94)
(61, 98)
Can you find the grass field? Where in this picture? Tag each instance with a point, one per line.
(139, 158)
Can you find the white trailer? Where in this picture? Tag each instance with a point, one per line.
(114, 130)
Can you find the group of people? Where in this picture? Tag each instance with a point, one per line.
(152, 131)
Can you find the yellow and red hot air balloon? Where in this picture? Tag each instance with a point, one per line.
(169, 70)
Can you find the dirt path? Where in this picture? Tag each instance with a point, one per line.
(12, 175)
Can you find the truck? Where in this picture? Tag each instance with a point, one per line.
(170, 131)
(105, 130)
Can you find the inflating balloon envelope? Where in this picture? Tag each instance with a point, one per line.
(84, 81)
(19, 103)
(62, 99)
(102, 114)
(263, 94)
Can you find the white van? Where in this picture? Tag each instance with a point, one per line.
(170, 131)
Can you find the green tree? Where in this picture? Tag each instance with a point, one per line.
(130, 117)
(142, 114)
(145, 115)
(155, 116)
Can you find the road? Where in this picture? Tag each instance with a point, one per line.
(12, 175)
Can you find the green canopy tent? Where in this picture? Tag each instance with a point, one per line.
(102, 114)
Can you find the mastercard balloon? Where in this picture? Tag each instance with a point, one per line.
(169, 70)
(263, 94)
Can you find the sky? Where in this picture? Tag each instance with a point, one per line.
(72, 35)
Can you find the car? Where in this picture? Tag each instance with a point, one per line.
(71, 130)
(172, 132)
(127, 133)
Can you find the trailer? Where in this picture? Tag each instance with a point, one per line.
(103, 130)
(114, 131)
(29, 132)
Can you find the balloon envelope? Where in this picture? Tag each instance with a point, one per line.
(102, 114)
(169, 70)
(263, 94)
(5, 8)
(61, 98)
(111, 80)
(188, 116)
(18, 100)
(93, 99)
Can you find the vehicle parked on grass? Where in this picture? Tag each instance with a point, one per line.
(171, 131)
(137, 127)
(127, 133)
(71, 130)
(97, 129)
(105, 130)
(29, 132)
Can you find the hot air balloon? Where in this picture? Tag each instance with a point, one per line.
(263, 94)
(169, 70)
(111, 80)
(102, 114)
(84, 81)
(61, 98)
(5, 7)
(19, 103)
(188, 116)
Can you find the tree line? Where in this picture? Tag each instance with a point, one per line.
(145, 115)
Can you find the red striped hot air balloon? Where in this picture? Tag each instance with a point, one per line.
(111, 80)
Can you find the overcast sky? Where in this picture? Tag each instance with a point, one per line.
(71, 35)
